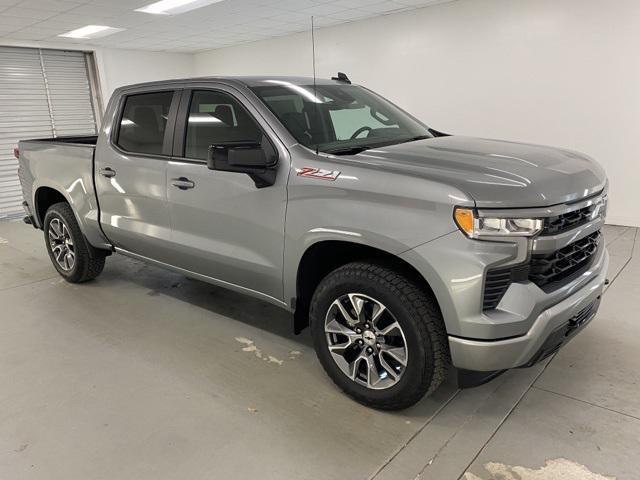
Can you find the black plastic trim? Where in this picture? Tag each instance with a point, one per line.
(80, 141)
(497, 281)
(561, 335)
(567, 221)
(559, 275)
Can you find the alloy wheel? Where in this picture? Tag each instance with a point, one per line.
(61, 244)
(366, 341)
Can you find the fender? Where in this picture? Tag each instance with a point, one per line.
(295, 250)
(86, 214)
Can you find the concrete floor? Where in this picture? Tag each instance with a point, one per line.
(144, 374)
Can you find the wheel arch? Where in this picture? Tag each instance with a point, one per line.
(324, 256)
(44, 197)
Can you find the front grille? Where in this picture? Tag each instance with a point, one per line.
(567, 221)
(550, 271)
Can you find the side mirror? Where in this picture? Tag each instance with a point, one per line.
(258, 160)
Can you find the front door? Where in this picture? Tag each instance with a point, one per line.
(223, 225)
(131, 174)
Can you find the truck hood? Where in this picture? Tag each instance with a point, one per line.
(495, 173)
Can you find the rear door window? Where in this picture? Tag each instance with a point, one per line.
(144, 122)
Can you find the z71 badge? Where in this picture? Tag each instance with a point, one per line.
(319, 173)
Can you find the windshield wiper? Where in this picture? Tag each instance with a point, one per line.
(349, 150)
(361, 148)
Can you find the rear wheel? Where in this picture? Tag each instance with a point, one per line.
(72, 256)
(379, 336)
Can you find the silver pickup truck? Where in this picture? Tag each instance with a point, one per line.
(404, 249)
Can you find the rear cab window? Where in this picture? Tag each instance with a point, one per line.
(143, 123)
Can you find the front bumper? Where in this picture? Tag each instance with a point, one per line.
(551, 329)
(514, 332)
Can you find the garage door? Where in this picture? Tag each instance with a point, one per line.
(43, 93)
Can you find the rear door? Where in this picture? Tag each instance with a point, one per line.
(131, 173)
(223, 225)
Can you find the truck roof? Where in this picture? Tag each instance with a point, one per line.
(247, 81)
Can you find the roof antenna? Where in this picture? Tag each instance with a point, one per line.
(315, 88)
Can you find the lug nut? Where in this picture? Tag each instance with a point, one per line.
(377, 345)
(360, 341)
(358, 330)
(366, 325)
(369, 350)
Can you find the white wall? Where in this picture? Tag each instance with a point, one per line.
(558, 72)
(123, 67)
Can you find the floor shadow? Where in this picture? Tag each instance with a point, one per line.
(241, 308)
(218, 300)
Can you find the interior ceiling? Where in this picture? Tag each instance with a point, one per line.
(230, 22)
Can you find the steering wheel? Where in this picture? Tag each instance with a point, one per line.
(359, 131)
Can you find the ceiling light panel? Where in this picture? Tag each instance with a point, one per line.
(91, 31)
(174, 7)
(216, 25)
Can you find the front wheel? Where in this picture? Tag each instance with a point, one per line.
(72, 256)
(378, 336)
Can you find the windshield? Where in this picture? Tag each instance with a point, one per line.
(340, 119)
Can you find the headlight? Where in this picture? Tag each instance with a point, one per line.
(476, 227)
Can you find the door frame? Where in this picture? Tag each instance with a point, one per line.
(167, 143)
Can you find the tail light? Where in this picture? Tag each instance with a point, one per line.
(16, 153)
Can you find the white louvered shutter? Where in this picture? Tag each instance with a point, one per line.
(69, 92)
(24, 113)
(43, 93)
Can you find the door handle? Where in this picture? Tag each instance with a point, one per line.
(182, 183)
(108, 172)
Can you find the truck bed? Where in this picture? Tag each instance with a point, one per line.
(68, 140)
(64, 165)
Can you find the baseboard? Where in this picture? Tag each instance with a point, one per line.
(623, 221)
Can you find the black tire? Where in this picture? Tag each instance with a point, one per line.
(427, 348)
(88, 262)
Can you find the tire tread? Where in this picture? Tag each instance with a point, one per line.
(90, 260)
